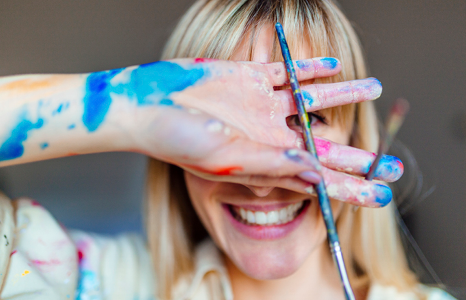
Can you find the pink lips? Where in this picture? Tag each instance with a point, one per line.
(271, 232)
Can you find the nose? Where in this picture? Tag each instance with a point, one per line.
(260, 191)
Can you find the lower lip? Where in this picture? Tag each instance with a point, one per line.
(271, 232)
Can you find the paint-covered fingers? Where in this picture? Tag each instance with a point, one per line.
(244, 160)
(355, 190)
(320, 96)
(356, 161)
(305, 69)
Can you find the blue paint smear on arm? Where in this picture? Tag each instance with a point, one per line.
(44, 145)
(58, 110)
(97, 100)
(13, 147)
(72, 126)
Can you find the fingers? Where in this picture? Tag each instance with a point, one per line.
(356, 190)
(243, 159)
(319, 96)
(305, 69)
(356, 161)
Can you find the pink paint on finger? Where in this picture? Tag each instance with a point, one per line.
(356, 161)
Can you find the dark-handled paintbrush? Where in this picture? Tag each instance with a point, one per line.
(320, 188)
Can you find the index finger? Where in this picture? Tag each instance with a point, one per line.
(305, 69)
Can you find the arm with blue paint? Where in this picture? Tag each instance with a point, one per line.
(221, 120)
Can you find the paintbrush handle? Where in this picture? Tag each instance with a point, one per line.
(310, 146)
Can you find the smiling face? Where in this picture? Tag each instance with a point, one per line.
(266, 232)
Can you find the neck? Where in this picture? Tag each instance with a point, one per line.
(317, 278)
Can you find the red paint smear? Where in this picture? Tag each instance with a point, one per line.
(35, 203)
(203, 60)
(401, 166)
(219, 171)
(13, 252)
(80, 255)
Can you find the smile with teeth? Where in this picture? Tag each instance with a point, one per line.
(262, 218)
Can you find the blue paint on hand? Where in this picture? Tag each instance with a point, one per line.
(148, 84)
(13, 146)
(329, 62)
(44, 145)
(72, 126)
(304, 64)
(383, 194)
(308, 97)
(390, 168)
(161, 79)
(168, 102)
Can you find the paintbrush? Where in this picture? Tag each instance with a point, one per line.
(320, 188)
(393, 123)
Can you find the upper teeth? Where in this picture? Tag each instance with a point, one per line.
(273, 217)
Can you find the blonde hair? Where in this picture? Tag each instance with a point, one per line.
(215, 29)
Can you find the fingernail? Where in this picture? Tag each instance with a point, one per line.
(390, 168)
(329, 62)
(383, 194)
(375, 88)
(293, 154)
(310, 176)
(369, 89)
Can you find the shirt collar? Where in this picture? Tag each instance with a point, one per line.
(208, 258)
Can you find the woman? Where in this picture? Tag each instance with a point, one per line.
(242, 180)
(243, 30)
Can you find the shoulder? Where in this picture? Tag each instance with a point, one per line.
(117, 267)
(42, 260)
(379, 292)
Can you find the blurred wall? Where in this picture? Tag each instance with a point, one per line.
(417, 49)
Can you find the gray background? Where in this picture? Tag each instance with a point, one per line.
(417, 48)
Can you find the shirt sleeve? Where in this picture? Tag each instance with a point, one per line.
(117, 268)
(41, 260)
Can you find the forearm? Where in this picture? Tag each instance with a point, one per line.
(49, 116)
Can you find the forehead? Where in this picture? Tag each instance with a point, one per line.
(261, 45)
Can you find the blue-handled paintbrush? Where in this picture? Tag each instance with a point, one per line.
(320, 188)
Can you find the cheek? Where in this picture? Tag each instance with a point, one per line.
(335, 134)
(209, 211)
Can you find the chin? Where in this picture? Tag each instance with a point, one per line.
(268, 252)
(269, 264)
